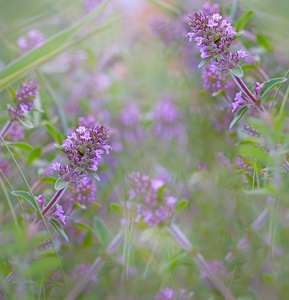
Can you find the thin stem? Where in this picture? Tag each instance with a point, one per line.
(53, 201)
(112, 247)
(6, 128)
(244, 89)
(200, 261)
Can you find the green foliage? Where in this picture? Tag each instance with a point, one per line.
(240, 113)
(243, 20)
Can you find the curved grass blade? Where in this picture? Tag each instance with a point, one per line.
(50, 48)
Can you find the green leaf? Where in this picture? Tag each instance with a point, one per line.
(40, 266)
(59, 147)
(270, 84)
(94, 174)
(239, 115)
(116, 207)
(49, 49)
(84, 226)
(34, 154)
(246, 67)
(255, 152)
(12, 92)
(60, 184)
(54, 132)
(166, 7)
(243, 20)
(181, 205)
(20, 145)
(58, 228)
(100, 230)
(237, 34)
(263, 41)
(49, 179)
(25, 122)
(237, 71)
(27, 197)
(204, 61)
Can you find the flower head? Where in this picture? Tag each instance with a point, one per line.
(239, 101)
(84, 148)
(24, 100)
(212, 33)
(152, 205)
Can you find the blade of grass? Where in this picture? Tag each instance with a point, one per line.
(168, 8)
(50, 48)
(9, 202)
(39, 211)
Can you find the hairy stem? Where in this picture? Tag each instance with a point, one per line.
(6, 128)
(53, 201)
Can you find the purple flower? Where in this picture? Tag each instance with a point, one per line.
(4, 167)
(212, 33)
(152, 204)
(32, 39)
(24, 100)
(239, 101)
(210, 8)
(216, 267)
(214, 36)
(257, 88)
(169, 294)
(83, 193)
(84, 149)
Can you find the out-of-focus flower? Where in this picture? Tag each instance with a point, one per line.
(152, 205)
(216, 267)
(167, 30)
(24, 100)
(31, 40)
(4, 167)
(170, 294)
(15, 133)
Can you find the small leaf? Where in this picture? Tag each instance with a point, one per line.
(204, 61)
(49, 179)
(38, 110)
(54, 132)
(243, 20)
(116, 207)
(237, 34)
(27, 197)
(94, 174)
(237, 71)
(239, 115)
(181, 205)
(40, 266)
(255, 152)
(58, 228)
(270, 84)
(34, 155)
(12, 92)
(84, 226)
(59, 147)
(19, 145)
(100, 230)
(26, 123)
(247, 67)
(60, 184)
(268, 277)
(263, 41)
